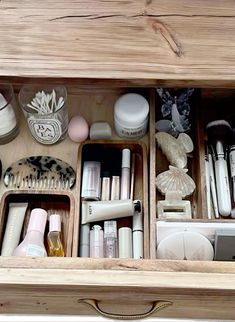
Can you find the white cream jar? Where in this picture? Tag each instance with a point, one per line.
(131, 113)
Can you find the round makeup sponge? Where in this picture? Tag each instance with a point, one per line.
(78, 129)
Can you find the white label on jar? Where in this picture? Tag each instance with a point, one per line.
(131, 132)
(46, 131)
(35, 250)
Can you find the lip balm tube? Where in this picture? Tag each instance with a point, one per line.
(13, 227)
(84, 248)
(115, 188)
(96, 242)
(138, 236)
(91, 180)
(125, 242)
(125, 176)
(111, 209)
(105, 188)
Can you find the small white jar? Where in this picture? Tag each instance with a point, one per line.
(131, 114)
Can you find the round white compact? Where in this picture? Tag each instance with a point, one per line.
(131, 115)
(185, 245)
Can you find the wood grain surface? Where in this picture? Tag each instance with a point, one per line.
(191, 42)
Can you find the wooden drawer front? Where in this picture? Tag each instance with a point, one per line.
(117, 293)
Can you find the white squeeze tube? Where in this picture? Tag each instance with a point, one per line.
(112, 209)
(13, 229)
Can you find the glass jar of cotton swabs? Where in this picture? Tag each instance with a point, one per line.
(46, 112)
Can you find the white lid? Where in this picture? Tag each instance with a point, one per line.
(96, 234)
(126, 158)
(37, 220)
(125, 242)
(55, 223)
(131, 109)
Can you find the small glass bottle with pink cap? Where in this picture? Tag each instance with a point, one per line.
(33, 243)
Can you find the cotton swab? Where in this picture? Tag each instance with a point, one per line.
(46, 103)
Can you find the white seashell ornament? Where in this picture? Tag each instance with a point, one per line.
(174, 149)
(175, 179)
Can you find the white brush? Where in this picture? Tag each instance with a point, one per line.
(219, 133)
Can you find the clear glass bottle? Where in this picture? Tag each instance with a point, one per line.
(54, 238)
(45, 109)
(33, 243)
(110, 239)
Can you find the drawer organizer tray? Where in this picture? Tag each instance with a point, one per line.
(61, 203)
(106, 148)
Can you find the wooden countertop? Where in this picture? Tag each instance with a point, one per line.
(141, 41)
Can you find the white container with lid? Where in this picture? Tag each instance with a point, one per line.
(131, 113)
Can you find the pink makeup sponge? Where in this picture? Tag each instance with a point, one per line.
(78, 129)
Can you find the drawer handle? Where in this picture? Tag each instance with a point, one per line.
(157, 306)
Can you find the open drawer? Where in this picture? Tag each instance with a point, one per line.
(115, 288)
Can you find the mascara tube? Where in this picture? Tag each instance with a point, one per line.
(138, 236)
(125, 177)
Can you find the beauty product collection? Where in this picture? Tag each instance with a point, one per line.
(46, 112)
(111, 220)
(32, 243)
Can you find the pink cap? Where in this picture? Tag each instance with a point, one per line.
(38, 219)
(55, 223)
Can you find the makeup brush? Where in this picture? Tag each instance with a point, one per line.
(219, 133)
(232, 170)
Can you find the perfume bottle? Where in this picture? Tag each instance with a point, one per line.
(33, 243)
(54, 239)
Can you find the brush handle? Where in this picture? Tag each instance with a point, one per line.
(208, 195)
(222, 186)
(213, 187)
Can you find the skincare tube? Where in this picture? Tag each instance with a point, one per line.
(91, 180)
(96, 242)
(13, 229)
(125, 242)
(105, 189)
(115, 188)
(105, 210)
(84, 248)
(138, 235)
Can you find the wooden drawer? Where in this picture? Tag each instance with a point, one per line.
(102, 50)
